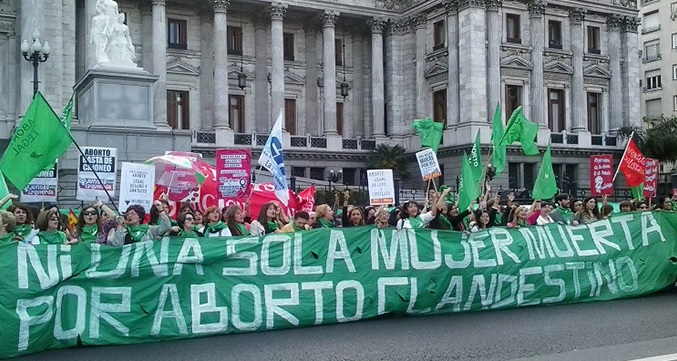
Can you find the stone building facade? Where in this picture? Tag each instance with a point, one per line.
(573, 65)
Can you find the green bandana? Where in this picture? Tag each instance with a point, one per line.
(89, 233)
(522, 224)
(326, 224)
(56, 237)
(8, 238)
(23, 230)
(137, 232)
(242, 229)
(296, 229)
(445, 222)
(272, 226)
(416, 222)
(216, 227)
(190, 234)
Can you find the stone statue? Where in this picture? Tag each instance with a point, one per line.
(110, 36)
(120, 48)
(99, 33)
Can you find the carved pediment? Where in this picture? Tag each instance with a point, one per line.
(558, 66)
(293, 79)
(181, 68)
(596, 71)
(435, 69)
(515, 62)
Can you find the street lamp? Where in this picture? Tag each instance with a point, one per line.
(334, 176)
(36, 53)
(241, 76)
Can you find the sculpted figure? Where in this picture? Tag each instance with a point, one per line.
(100, 33)
(120, 48)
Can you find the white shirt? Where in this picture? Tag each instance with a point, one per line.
(425, 218)
(222, 233)
(542, 221)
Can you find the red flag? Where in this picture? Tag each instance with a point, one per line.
(307, 197)
(632, 165)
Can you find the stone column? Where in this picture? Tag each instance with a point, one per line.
(420, 22)
(220, 37)
(206, 71)
(472, 61)
(453, 84)
(261, 97)
(536, 11)
(146, 36)
(358, 83)
(377, 87)
(277, 11)
(494, 33)
(329, 80)
(614, 24)
(11, 95)
(630, 70)
(160, 65)
(578, 101)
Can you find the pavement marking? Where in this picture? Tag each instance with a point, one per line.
(669, 357)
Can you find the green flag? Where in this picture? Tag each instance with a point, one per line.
(638, 192)
(497, 132)
(468, 190)
(475, 158)
(430, 131)
(4, 191)
(520, 129)
(37, 142)
(67, 114)
(546, 184)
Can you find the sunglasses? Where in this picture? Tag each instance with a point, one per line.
(189, 218)
(90, 213)
(643, 207)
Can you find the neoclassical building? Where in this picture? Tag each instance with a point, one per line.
(346, 75)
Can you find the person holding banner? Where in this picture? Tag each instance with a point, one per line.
(412, 218)
(237, 220)
(186, 227)
(90, 224)
(381, 217)
(666, 204)
(298, 224)
(325, 216)
(48, 223)
(130, 228)
(588, 213)
(214, 227)
(24, 222)
(267, 221)
(352, 216)
(7, 228)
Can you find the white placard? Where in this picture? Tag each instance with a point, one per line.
(43, 188)
(104, 163)
(381, 187)
(427, 163)
(137, 185)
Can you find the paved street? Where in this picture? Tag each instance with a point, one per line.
(618, 330)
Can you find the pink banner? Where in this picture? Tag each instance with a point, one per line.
(650, 177)
(233, 173)
(601, 174)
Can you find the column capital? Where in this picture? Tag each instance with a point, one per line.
(464, 4)
(221, 6)
(158, 2)
(277, 11)
(494, 5)
(329, 18)
(419, 20)
(630, 24)
(260, 20)
(377, 24)
(146, 8)
(206, 15)
(614, 22)
(400, 26)
(451, 5)
(537, 8)
(577, 15)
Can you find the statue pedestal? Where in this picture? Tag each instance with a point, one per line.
(116, 96)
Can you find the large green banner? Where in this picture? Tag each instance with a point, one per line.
(55, 296)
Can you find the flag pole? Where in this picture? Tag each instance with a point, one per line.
(623, 157)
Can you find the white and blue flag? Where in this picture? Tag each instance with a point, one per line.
(272, 159)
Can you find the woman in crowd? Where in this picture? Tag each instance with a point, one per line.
(588, 213)
(237, 220)
(665, 205)
(626, 206)
(325, 217)
(214, 227)
(351, 216)
(186, 227)
(7, 228)
(441, 220)
(381, 218)
(90, 228)
(266, 222)
(642, 206)
(370, 214)
(155, 216)
(130, 228)
(411, 217)
(482, 221)
(198, 219)
(457, 219)
(545, 218)
(24, 222)
(578, 206)
(312, 218)
(519, 217)
(48, 223)
(298, 224)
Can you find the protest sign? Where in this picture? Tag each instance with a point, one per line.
(233, 172)
(650, 177)
(381, 187)
(103, 161)
(427, 163)
(601, 174)
(137, 185)
(43, 188)
(183, 288)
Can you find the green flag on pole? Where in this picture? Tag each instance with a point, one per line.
(37, 142)
(475, 158)
(638, 192)
(67, 114)
(4, 191)
(520, 129)
(545, 186)
(468, 190)
(498, 155)
(430, 131)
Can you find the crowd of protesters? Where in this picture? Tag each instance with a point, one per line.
(97, 223)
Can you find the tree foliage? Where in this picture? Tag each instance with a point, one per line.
(658, 140)
(388, 157)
